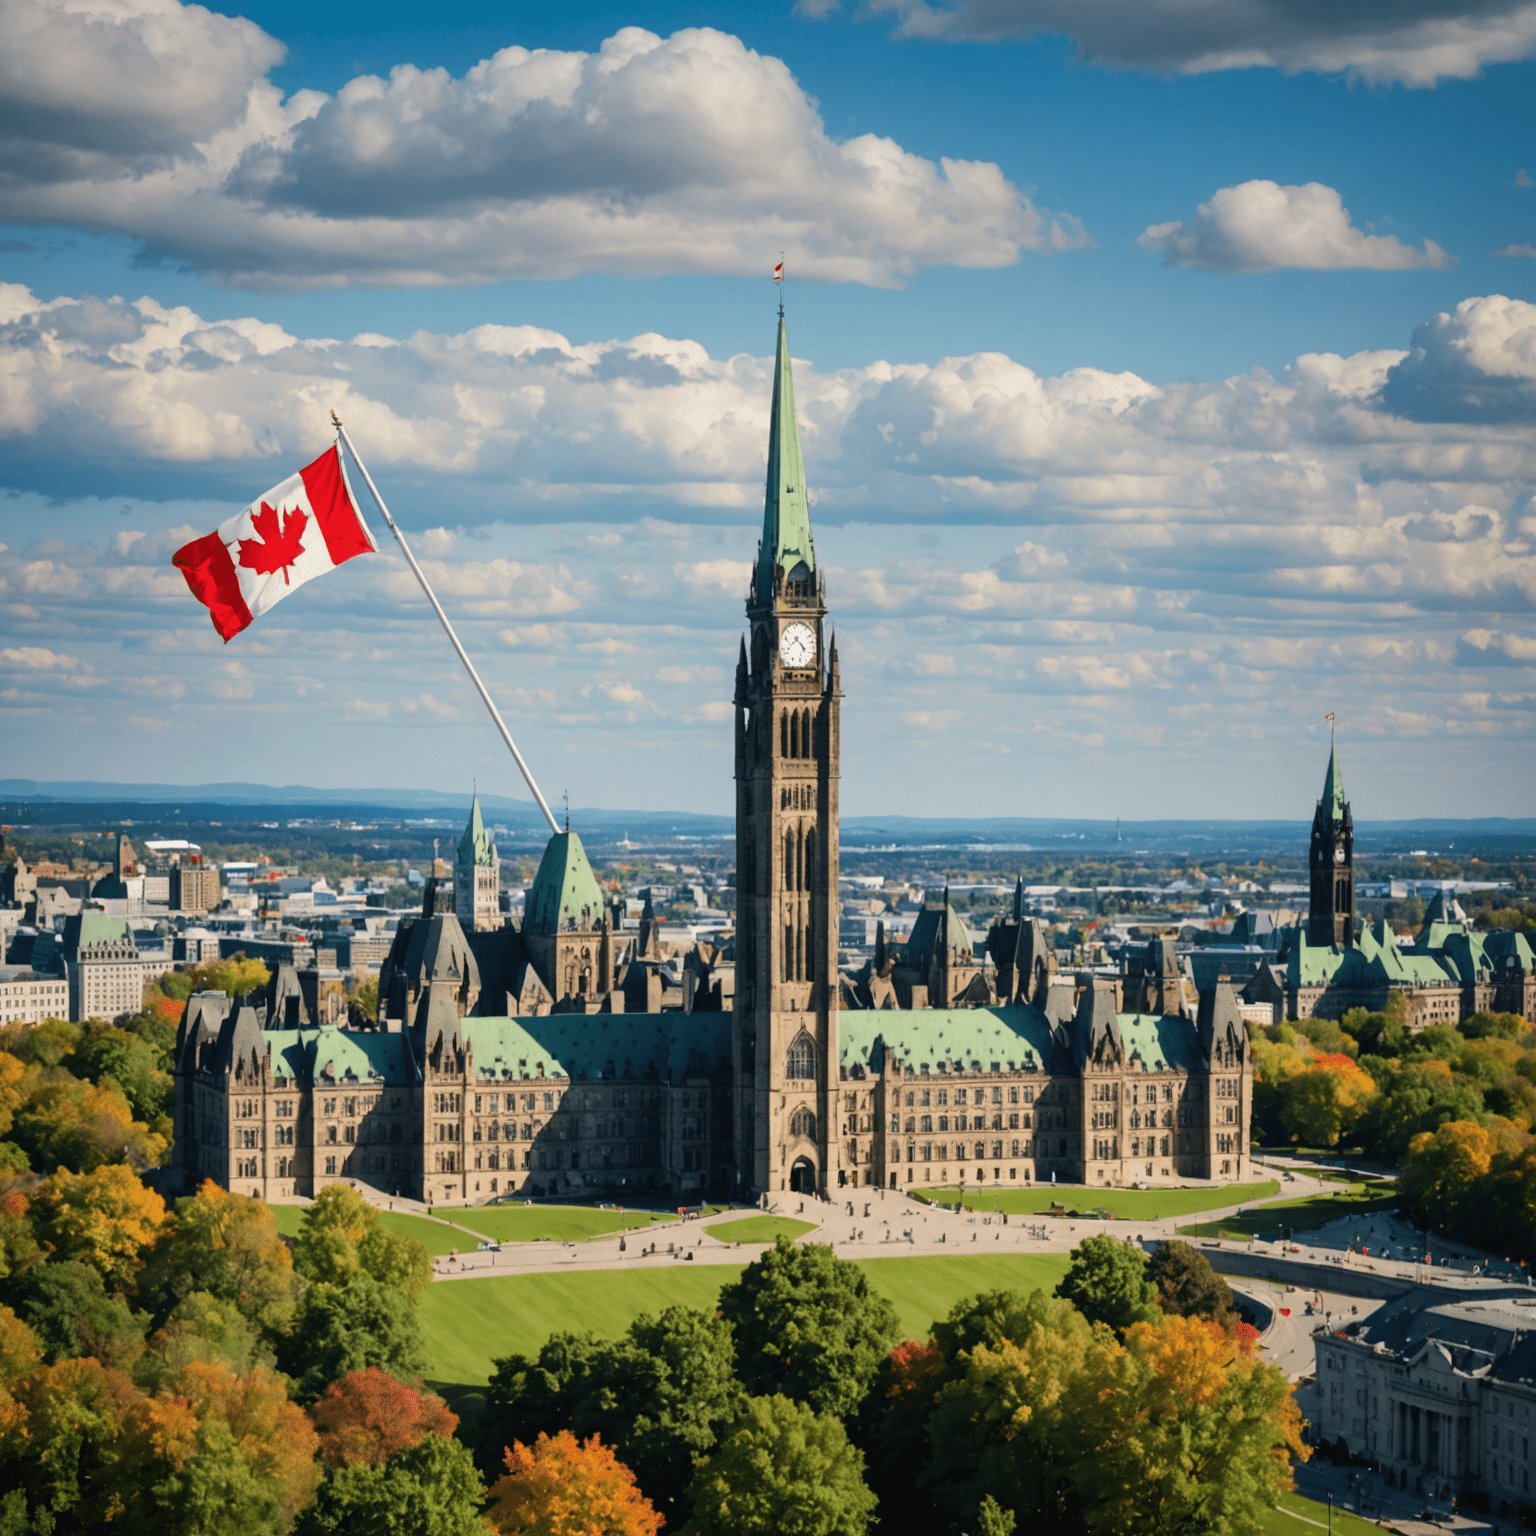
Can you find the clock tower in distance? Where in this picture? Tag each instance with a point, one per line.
(1331, 857)
(784, 1032)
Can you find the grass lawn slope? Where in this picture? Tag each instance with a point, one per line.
(436, 1236)
(1303, 1213)
(1297, 1516)
(1127, 1204)
(559, 1223)
(760, 1229)
(468, 1323)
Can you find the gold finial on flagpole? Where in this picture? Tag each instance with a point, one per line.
(335, 419)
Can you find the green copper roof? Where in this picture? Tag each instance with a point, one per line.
(1333, 786)
(475, 846)
(592, 1046)
(340, 1054)
(564, 896)
(1013, 1037)
(786, 515)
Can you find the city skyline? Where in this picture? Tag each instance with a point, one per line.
(1123, 475)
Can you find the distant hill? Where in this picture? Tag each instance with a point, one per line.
(34, 801)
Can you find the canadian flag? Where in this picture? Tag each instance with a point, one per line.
(299, 530)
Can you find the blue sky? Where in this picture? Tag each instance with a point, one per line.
(1164, 387)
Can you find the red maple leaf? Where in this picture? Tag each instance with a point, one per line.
(280, 544)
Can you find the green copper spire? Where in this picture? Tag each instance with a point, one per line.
(475, 846)
(786, 516)
(1333, 785)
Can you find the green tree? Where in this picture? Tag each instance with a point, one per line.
(1413, 1097)
(809, 1325)
(782, 1468)
(71, 1315)
(128, 1060)
(228, 1246)
(1107, 1282)
(660, 1396)
(1495, 1026)
(430, 1488)
(1187, 1286)
(200, 1328)
(341, 1235)
(347, 1327)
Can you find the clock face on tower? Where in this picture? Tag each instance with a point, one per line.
(797, 645)
(1338, 853)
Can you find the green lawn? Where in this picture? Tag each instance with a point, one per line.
(560, 1223)
(468, 1323)
(1285, 1522)
(1302, 1214)
(1127, 1204)
(760, 1229)
(436, 1237)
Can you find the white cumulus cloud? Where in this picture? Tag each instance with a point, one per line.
(1258, 226)
(1415, 45)
(691, 153)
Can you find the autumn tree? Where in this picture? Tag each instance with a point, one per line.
(233, 974)
(57, 1440)
(810, 1326)
(105, 1218)
(1324, 1102)
(226, 1245)
(783, 1467)
(1107, 1282)
(368, 1415)
(1178, 1425)
(430, 1488)
(214, 1451)
(66, 1123)
(341, 1235)
(562, 1486)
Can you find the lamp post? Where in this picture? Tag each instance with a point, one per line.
(1330, 1512)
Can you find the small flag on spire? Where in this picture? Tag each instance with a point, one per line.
(1327, 717)
(778, 273)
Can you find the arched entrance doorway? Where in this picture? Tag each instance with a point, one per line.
(802, 1176)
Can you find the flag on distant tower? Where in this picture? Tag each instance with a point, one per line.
(300, 529)
(778, 273)
(1327, 717)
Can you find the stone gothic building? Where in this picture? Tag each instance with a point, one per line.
(557, 1055)
(1336, 961)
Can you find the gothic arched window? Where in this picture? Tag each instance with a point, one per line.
(802, 1058)
(810, 862)
(803, 1123)
(783, 735)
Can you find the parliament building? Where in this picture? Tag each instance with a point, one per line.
(561, 1055)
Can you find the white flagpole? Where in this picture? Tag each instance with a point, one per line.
(437, 608)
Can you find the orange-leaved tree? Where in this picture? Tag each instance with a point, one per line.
(215, 1450)
(368, 1414)
(105, 1218)
(562, 1486)
(1323, 1103)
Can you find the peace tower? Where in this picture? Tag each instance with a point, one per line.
(785, 1045)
